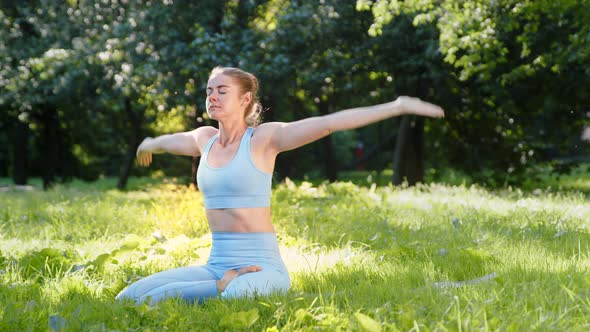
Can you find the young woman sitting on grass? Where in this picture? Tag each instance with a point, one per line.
(234, 175)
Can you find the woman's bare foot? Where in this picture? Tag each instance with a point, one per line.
(229, 275)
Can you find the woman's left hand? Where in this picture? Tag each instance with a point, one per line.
(411, 105)
(144, 156)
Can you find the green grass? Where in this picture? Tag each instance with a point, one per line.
(361, 258)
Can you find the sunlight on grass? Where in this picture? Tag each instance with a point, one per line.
(315, 259)
(379, 258)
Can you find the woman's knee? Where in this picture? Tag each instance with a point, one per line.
(128, 294)
(137, 291)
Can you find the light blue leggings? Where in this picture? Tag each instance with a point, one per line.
(229, 251)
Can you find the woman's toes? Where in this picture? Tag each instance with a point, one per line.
(248, 269)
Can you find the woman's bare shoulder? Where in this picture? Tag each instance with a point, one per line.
(202, 135)
(263, 136)
(268, 128)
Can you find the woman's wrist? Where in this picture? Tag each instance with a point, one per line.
(398, 107)
(150, 145)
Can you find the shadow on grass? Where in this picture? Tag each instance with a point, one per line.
(402, 296)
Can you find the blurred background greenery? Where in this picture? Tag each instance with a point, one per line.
(82, 82)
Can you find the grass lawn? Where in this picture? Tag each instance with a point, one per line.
(374, 258)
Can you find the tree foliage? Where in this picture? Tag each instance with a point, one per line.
(82, 81)
(518, 68)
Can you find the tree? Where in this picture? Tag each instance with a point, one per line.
(309, 54)
(37, 79)
(86, 63)
(511, 59)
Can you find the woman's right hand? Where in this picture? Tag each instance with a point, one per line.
(144, 155)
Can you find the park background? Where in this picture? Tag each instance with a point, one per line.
(478, 221)
(83, 82)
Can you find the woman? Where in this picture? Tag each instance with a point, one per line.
(234, 175)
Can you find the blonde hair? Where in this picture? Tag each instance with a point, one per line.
(248, 83)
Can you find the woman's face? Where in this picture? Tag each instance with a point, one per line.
(224, 98)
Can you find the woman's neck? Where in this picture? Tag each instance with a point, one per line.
(231, 132)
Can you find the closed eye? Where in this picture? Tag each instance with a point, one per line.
(221, 92)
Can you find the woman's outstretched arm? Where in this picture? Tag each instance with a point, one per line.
(185, 144)
(288, 136)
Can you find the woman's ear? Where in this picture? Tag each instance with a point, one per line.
(246, 98)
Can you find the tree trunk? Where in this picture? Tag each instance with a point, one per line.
(269, 105)
(196, 160)
(194, 168)
(49, 145)
(328, 149)
(407, 160)
(195, 164)
(135, 122)
(20, 165)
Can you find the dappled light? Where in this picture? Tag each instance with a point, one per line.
(278, 165)
(387, 251)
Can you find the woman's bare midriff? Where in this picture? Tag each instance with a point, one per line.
(244, 220)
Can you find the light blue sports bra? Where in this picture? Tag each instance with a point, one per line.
(239, 184)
